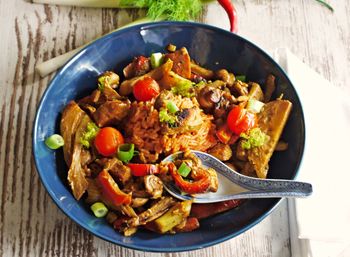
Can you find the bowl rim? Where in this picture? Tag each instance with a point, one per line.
(150, 25)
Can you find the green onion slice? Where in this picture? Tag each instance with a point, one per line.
(99, 209)
(54, 141)
(126, 152)
(172, 107)
(156, 60)
(184, 170)
(242, 78)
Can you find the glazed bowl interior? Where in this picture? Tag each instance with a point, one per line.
(211, 47)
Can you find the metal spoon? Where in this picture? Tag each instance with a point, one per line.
(233, 185)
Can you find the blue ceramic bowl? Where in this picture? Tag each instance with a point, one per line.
(213, 48)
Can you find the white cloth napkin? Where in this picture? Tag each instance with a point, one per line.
(320, 224)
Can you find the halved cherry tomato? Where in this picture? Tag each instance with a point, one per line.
(145, 89)
(200, 184)
(139, 170)
(239, 120)
(111, 191)
(107, 141)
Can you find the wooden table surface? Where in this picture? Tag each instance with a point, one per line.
(30, 223)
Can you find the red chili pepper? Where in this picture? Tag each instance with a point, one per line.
(231, 12)
(111, 191)
(139, 170)
(200, 185)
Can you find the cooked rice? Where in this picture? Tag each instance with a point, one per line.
(153, 138)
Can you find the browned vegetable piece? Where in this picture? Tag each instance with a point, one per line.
(272, 120)
(111, 112)
(201, 211)
(270, 87)
(173, 217)
(241, 153)
(71, 118)
(248, 170)
(221, 151)
(214, 182)
(116, 168)
(153, 186)
(138, 202)
(190, 224)
(201, 71)
(110, 79)
(128, 211)
(139, 66)
(111, 217)
(99, 97)
(182, 62)
(155, 211)
(281, 146)
(171, 48)
(171, 79)
(256, 92)
(208, 97)
(225, 76)
(93, 192)
(239, 88)
(126, 86)
(73, 125)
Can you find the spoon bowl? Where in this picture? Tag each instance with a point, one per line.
(233, 185)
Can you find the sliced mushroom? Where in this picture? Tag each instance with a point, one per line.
(153, 186)
(225, 76)
(208, 97)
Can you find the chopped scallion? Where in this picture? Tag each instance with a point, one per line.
(184, 170)
(254, 105)
(156, 60)
(172, 107)
(54, 141)
(126, 152)
(99, 209)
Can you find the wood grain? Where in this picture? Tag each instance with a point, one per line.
(30, 223)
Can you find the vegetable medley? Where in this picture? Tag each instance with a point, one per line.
(116, 138)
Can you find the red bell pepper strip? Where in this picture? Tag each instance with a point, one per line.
(231, 12)
(111, 191)
(224, 134)
(200, 185)
(139, 170)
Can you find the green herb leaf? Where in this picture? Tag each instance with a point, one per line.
(165, 116)
(184, 88)
(179, 10)
(89, 134)
(254, 138)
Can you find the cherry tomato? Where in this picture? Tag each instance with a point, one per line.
(107, 141)
(146, 89)
(239, 120)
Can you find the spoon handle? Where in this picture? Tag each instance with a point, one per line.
(256, 187)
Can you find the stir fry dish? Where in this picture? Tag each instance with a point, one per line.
(114, 140)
